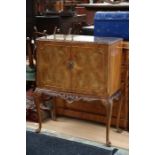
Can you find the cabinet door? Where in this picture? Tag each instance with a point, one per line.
(89, 75)
(52, 69)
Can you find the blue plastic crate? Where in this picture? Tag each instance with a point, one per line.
(112, 24)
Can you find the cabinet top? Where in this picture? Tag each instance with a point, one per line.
(79, 38)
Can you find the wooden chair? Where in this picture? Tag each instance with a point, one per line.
(31, 56)
(30, 65)
(37, 34)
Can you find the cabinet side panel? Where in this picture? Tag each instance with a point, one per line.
(114, 68)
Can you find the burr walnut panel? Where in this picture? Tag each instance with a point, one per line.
(52, 69)
(87, 75)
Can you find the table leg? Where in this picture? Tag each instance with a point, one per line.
(37, 100)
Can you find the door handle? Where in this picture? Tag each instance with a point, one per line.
(70, 64)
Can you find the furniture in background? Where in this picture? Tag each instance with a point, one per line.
(91, 8)
(30, 67)
(125, 85)
(62, 22)
(31, 57)
(79, 68)
(53, 7)
(30, 20)
(47, 15)
(58, 13)
(88, 30)
(76, 23)
(112, 24)
(47, 23)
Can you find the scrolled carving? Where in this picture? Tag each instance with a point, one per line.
(69, 97)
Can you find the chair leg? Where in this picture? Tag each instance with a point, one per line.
(37, 101)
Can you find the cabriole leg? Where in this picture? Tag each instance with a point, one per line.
(37, 101)
(119, 114)
(109, 106)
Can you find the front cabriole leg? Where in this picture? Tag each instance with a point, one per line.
(108, 104)
(37, 101)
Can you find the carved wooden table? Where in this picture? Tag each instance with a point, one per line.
(79, 68)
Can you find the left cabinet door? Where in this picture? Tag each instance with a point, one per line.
(52, 71)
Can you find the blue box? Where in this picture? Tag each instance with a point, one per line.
(112, 24)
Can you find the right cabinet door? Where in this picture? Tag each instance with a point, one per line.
(89, 74)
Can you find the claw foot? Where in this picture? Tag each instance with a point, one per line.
(108, 144)
(38, 130)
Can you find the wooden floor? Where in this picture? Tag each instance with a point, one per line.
(83, 129)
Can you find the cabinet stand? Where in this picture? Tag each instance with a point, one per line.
(72, 97)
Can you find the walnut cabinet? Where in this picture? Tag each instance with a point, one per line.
(76, 67)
